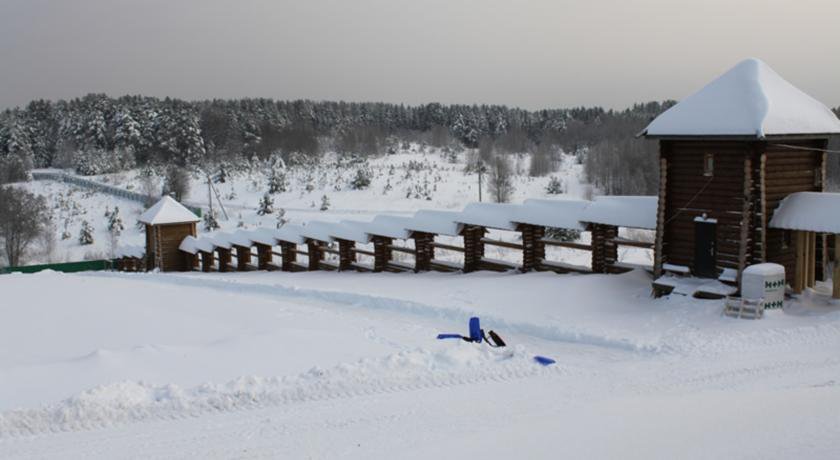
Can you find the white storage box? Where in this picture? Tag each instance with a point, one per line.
(764, 281)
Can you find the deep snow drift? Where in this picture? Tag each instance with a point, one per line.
(325, 365)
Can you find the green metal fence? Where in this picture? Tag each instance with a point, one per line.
(67, 267)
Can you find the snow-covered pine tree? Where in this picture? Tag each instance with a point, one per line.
(115, 223)
(281, 218)
(555, 186)
(362, 178)
(266, 205)
(86, 234)
(325, 203)
(210, 222)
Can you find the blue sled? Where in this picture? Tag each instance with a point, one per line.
(449, 336)
(544, 361)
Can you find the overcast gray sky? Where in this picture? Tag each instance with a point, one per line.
(528, 53)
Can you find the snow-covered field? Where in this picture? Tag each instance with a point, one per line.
(336, 365)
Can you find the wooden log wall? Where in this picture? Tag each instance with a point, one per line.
(264, 256)
(690, 194)
(346, 254)
(316, 254)
(533, 248)
(162, 246)
(424, 251)
(789, 171)
(288, 256)
(243, 258)
(604, 248)
(473, 247)
(224, 259)
(207, 259)
(659, 257)
(382, 253)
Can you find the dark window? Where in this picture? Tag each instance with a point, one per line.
(709, 165)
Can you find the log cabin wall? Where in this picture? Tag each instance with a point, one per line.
(382, 253)
(473, 247)
(533, 249)
(789, 171)
(604, 249)
(346, 255)
(424, 251)
(167, 239)
(724, 195)
(288, 256)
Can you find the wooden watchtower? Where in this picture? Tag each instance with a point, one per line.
(728, 155)
(167, 224)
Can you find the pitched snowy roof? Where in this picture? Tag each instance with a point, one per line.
(188, 244)
(317, 230)
(205, 244)
(351, 230)
(437, 222)
(390, 226)
(553, 213)
(242, 238)
(622, 211)
(809, 211)
(749, 100)
(290, 233)
(168, 211)
(501, 216)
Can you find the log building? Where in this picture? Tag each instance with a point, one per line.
(167, 224)
(729, 154)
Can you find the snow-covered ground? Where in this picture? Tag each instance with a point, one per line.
(335, 365)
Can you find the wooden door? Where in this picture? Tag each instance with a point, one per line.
(705, 251)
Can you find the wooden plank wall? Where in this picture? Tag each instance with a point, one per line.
(171, 237)
(604, 249)
(473, 247)
(533, 249)
(424, 251)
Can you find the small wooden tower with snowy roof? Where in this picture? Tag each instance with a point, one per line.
(729, 154)
(167, 224)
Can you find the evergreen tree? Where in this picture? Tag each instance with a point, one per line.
(86, 234)
(210, 222)
(115, 223)
(325, 203)
(266, 205)
(555, 186)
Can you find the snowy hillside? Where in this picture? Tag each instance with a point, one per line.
(415, 178)
(346, 365)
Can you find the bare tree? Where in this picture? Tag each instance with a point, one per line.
(23, 217)
(177, 183)
(500, 179)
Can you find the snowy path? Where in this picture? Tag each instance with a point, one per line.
(345, 365)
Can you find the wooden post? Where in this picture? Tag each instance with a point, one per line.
(533, 250)
(288, 256)
(346, 256)
(381, 253)
(424, 251)
(224, 259)
(315, 254)
(812, 259)
(801, 249)
(473, 247)
(243, 258)
(746, 220)
(206, 261)
(604, 249)
(264, 256)
(658, 256)
(836, 279)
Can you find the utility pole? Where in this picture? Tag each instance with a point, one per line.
(480, 174)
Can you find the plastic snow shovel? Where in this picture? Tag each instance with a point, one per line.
(475, 333)
(544, 361)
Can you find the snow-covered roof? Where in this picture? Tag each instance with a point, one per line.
(352, 230)
(317, 230)
(622, 211)
(188, 244)
(221, 240)
(500, 216)
(242, 238)
(749, 100)
(437, 222)
(130, 251)
(205, 244)
(168, 211)
(553, 213)
(390, 226)
(290, 233)
(809, 211)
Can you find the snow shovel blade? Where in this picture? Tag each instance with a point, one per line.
(449, 336)
(544, 361)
